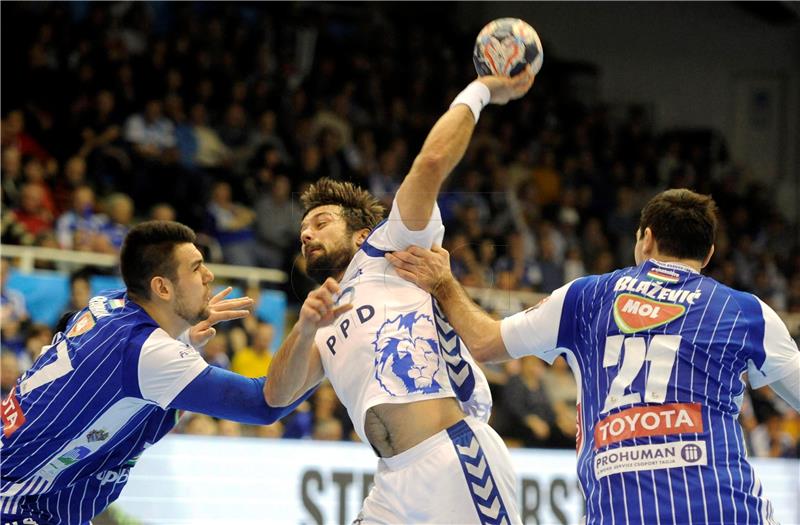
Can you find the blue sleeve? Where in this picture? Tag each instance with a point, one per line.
(219, 393)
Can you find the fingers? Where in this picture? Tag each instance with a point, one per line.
(408, 276)
(316, 309)
(331, 285)
(410, 256)
(341, 309)
(227, 315)
(239, 303)
(320, 302)
(439, 250)
(206, 334)
(221, 295)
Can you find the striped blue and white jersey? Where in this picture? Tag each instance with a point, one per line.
(78, 420)
(659, 353)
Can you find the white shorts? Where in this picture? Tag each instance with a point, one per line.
(461, 475)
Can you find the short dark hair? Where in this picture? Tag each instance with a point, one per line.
(360, 208)
(148, 251)
(684, 223)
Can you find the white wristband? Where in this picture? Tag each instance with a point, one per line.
(475, 96)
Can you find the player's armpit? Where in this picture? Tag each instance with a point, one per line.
(220, 393)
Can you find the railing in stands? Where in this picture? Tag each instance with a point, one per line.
(504, 302)
(27, 255)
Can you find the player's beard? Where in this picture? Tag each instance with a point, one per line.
(191, 316)
(330, 263)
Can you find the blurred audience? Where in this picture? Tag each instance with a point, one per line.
(155, 126)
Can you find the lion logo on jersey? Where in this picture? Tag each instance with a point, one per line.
(406, 363)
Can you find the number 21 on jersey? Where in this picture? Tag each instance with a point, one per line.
(661, 353)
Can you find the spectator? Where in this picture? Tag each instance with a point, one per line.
(120, 219)
(216, 351)
(150, 133)
(73, 176)
(229, 428)
(38, 336)
(9, 372)
(80, 291)
(12, 302)
(328, 430)
(265, 135)
(533, 417)
(33, 172)
(162, 212)
(24, 224)
(209, 150)
(277, 223)
(151, 137)
(300, 423)
(12, 176)
(550, 268)
(80, 221)
(102, 140)
(201, 425)
(769, 440)
(254, 360)
(231, 224)
(546, 179)
(235, 133)
(15, 135)
(273, 431)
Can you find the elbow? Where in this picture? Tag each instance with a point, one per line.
(430, 164)
(481, 351)
(489, 348)
(275, 398)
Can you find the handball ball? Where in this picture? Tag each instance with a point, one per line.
(505, 46)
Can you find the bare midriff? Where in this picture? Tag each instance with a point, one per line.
(395, 428)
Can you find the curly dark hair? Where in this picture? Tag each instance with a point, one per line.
(360, 208)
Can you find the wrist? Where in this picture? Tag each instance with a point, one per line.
(444, 287)
(475, 96)
(305, 329)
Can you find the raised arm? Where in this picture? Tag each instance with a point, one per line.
(447, 141)
(297, 366)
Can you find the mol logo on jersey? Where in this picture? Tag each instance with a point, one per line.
(634, 313)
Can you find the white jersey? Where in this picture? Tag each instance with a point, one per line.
(394, 346)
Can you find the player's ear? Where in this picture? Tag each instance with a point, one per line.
(648, 242)
(161, 287)
(361, 236)
(708, 257)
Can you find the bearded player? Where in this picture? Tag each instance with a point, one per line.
(410, 387)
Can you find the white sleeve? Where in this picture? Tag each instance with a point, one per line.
(782, 356)
(393, 235)
(535, 331)
(789, 390)
(166, 366)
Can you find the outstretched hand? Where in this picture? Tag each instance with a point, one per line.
(221, 310)
(320, 309)
(428, 269)
(504, 89)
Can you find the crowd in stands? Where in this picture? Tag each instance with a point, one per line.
(220, 115)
